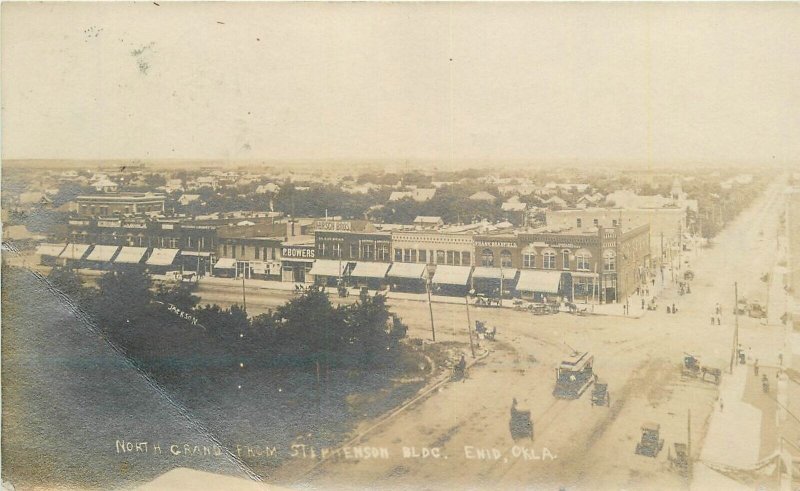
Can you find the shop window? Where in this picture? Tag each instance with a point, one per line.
(487, 258)
(505, 259)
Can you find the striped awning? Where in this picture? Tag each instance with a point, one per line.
(130, 255)
(102, 253)
(451, 275)
(327, 267)
(539, 281)
(74, 251)
(408, 270)
(370, 270)
(494, 273)
(225, 263)
(53, 250)
(162, 257)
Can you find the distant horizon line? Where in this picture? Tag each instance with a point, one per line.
(446, 165)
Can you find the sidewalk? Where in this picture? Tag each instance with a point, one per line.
(723, 446)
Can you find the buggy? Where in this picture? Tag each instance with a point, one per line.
(520, 423)
(600, 395)
(650, 444)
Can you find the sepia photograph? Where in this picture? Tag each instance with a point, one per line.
(400, 245)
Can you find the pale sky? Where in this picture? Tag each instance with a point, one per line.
(582, 82)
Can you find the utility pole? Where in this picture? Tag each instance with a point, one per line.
(736, 324)
(244, 297)
(430, 308)
(469, 326)
(689, 444)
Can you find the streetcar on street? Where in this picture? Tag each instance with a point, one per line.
(574, 375)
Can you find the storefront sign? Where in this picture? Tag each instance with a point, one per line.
(334, 225)
(495, 243)
(299, 252)
(108, 223)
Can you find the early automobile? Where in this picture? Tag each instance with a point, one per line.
(651, 443)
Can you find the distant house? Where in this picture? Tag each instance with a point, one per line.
(268, 188)
(30, 197)
(428, 222)
(185, 199)
(420, 194)
(483, 196)
(555, 201)
(512, 205)
(105, 185)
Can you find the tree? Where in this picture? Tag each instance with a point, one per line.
(124, 298)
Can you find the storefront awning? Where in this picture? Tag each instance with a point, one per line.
(225, 263)
(451, 275)
(196, 253)
(74, 251)
(408, 270)
(370, 270)
(130, 255)
(539, 281)
(102, 253)
(53, 250)
(162, 257)
(327, 267)
(494, 273)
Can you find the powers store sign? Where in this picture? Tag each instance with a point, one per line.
(301, 252)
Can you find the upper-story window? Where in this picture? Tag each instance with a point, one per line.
(528, 260)
(549, 260)
(398, 255)
(487, 258)
(323, 249)
(367, 251)
(579, 222)
(423, 255)
(440, 257)
(466, 258)
(565, 259)
(582, 260)
(336, 250)
(505, 259)
(609, 261)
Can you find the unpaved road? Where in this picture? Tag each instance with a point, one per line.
(576, 445)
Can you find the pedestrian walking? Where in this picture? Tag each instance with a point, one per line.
(712, 320)
(673, 308)
(719, 321)
(642, 304)
(721, 405)
(719, 310)
(755, 367)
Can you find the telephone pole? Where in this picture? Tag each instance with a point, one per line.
(430, 308)
(244, 296)
(469, 327)
(736, 323)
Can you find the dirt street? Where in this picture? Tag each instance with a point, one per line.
(575, 445)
